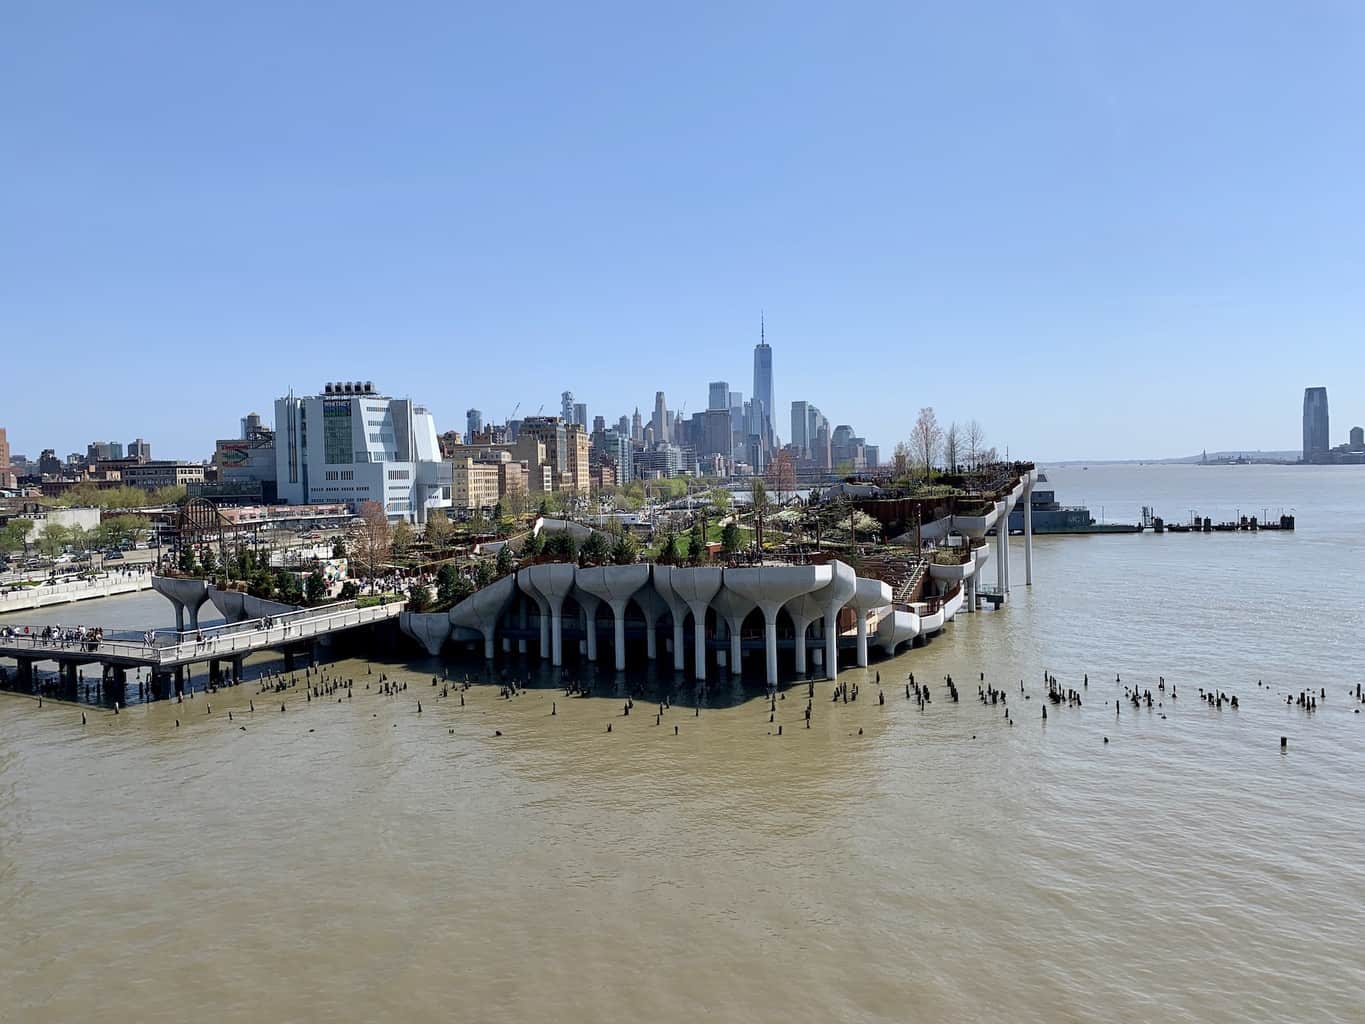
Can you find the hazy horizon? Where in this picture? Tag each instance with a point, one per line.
(1101, 233)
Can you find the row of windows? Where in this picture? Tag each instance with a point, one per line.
(345, 474)
(383, 437)
(399, 474)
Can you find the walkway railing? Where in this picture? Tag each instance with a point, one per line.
(220, 642)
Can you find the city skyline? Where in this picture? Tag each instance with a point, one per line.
(896, 207)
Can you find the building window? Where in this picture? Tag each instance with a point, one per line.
(336, 432)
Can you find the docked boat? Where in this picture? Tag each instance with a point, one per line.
(1051, 517)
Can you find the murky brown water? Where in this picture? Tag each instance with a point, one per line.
(357, 861)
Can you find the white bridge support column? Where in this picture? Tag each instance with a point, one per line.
(694, 588)
(770, 587)
(553, 583)
(615, 585)
(805, 610)
(733, 608)
(679, 652)
(971, 593)
(1006, 559)
(589, 603)
(1001, 533)
(1028, 529)
(185, 595)
(843, 586)
(652, 606)
(868, 594)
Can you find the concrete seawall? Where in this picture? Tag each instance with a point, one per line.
(79, 590)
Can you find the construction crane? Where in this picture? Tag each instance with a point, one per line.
(513, 414)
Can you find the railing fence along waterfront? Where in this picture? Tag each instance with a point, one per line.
(171, 647)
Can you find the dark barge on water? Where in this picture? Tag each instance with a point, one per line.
(1249, 524)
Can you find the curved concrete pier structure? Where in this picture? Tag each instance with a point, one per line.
(185, 595)
(482, 610)
(772, 586)
(430, 629)
(696, 587)
(615, 585)
(868, 595)
(899, 627)
(733, 608)
(553, 582)
(809, 593)
(528, 588)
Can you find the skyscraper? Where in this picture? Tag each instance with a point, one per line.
(6, 474)
(763, 385)
(566, 406)
(1315, 433)
(580, 414)
(660, 418)
(718, 395)
(637, 426)
(473, 421)
(800, 422)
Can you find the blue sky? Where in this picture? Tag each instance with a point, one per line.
(1101, 230)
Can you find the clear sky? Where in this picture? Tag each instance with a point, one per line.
(1102, 230)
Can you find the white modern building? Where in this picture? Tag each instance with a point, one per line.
(351, 444)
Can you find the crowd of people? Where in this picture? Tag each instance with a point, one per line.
(87, 638)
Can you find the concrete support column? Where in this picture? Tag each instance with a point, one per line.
(1006, 559)
(678, 653)
(770, 643)
(179, 616)
(736, 649)
(557, 636)
(523, 621)
(862, 638)
(971, 593)
(589, 605)
(618, 622)
(699, 639)
(801, 626)
(237, 669)
(1000, 531)
(831, 628)
(489, 640)
(652, 639)
(544, 630)
(1028, 536)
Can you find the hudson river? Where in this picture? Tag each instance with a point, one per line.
(357, 861)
